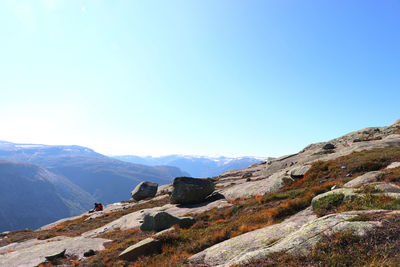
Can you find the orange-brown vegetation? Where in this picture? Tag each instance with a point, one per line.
(355, 164)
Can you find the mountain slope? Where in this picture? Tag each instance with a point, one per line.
(31, 196)
(196, 166)
(107, 180)
(333, 203)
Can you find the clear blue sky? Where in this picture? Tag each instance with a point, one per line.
(262, 78)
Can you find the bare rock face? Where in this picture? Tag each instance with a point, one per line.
(259, 187)
(189, 190)
(144, 190)
(158, 221)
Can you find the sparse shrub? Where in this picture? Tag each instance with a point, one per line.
(368, 189)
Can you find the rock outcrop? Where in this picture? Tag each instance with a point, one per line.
(189, 190)
(144, 190)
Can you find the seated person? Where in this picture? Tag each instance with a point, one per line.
(97, 207)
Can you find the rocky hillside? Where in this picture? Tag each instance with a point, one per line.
(335, 203)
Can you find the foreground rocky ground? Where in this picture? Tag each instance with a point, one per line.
(307, 209)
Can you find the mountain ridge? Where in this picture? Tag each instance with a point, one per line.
(196, 166)
(91, 171)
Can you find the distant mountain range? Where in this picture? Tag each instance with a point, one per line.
(32, 196)
(42, 183)
(196, 166)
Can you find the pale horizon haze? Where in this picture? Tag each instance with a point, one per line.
(231, 78)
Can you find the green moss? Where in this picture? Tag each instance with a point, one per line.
(327, 203)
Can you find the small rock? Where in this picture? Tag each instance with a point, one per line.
(298, 173)
(145, 247)
(89, 253)
(328, 146)
(144, 190)
(248, 179)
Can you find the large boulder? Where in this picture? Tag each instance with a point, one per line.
(328, 146)
(189, 190)
(144, 190)
(161, 220)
